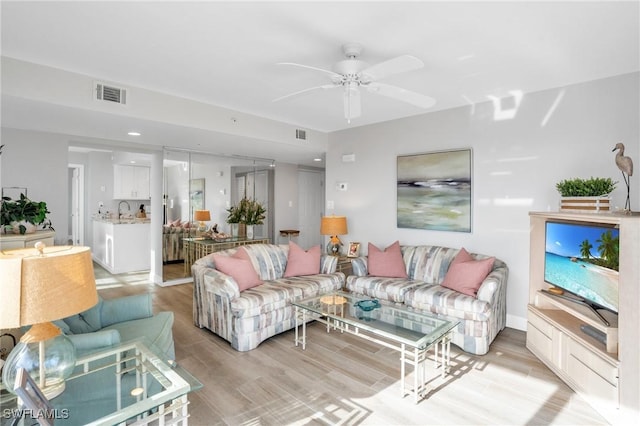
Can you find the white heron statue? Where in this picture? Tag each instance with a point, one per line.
(625, 165)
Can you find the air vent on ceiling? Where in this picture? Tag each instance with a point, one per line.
(108, 93)
(301, 134)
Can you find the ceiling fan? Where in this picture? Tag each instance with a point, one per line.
(352, 73)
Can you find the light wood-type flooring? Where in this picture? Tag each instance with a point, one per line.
(342, 379)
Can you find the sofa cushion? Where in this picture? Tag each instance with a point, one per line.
(387, 263)
(466, 275)
(301, 262)
(239, 267)
(428, 263)
(277, 294)
(386, 288)
(269, 260)
(441, 300)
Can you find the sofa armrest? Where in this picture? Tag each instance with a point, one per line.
(213, 293)
(86, 342)
(126, 309)
(494, 291)
(359, 266)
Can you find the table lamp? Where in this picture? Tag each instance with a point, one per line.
(39, 286)
(202, 216)
(333, 226)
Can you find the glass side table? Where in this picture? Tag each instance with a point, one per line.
(129, 383)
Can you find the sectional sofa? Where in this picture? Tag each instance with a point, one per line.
(441, 280)
(473, 291)
(246, 310)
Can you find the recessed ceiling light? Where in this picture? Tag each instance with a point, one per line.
(317, 159)
(134, 133)
(132, 161)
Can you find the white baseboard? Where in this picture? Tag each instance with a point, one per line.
(519, 323)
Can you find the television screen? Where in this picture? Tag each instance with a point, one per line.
(583, 259)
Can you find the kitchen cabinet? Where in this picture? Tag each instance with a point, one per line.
(131, 182)
(120, 246)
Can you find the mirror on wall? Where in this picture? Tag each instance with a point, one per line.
(199, 181)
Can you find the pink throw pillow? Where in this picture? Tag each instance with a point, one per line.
(387, 263)
(238, 267)
(466, 275)
(300, 262)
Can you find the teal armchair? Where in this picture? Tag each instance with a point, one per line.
(109, 323)
(113, 321)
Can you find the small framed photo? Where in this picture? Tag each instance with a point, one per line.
(354, 249)
(32, 398)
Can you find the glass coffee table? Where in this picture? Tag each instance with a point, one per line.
(144, 388)
(410, 332)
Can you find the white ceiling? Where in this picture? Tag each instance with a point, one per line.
(225, 53)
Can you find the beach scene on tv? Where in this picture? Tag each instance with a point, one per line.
(583, 260)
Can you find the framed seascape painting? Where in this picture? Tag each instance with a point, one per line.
(196, 194)
(434, 191)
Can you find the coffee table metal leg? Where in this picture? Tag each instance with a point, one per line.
(403, 360)
(301, 314)
(417, 373)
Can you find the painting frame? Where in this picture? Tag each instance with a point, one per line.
(434, 190)
(32, 398)
(354, 249)
(196, 194)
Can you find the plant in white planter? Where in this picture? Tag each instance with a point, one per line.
(585, 194)
(23, 215)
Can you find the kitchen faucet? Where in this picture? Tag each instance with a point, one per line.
(120, 211)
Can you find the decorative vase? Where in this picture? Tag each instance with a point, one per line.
(249, 232)
(31, 228)
(242, 230)
(234, 229)
(585, 204)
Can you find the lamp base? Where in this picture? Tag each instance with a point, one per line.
(333, 249)
(48, 360)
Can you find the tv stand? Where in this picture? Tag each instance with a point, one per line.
(581, 302)
(598, 361)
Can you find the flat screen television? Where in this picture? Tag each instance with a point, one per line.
(582, 258)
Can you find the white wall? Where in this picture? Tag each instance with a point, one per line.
(556, 134)
(41, 168)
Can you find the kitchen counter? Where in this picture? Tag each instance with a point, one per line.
(122, 245)
(123, 221)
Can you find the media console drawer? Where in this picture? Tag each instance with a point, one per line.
(606, 371)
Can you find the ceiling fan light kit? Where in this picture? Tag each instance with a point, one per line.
(353, 73)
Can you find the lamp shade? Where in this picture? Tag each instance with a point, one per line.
(202, 215)
(46, 284)
(333, 225)
(43, 285)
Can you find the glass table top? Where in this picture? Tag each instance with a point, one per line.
(112, 385)
(395, 322)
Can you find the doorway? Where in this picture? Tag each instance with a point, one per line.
(75, 233)
(310, 206)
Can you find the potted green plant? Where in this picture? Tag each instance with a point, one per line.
(23, 215)
(254, 215)
(585, 194)
(234, 217)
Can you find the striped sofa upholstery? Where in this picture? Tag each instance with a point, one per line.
(480, 318)
(247, 318)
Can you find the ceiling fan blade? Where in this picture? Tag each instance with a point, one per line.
(401, 94)
(302, 92)
(331, 73)
(397, 65)
(352, 106)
